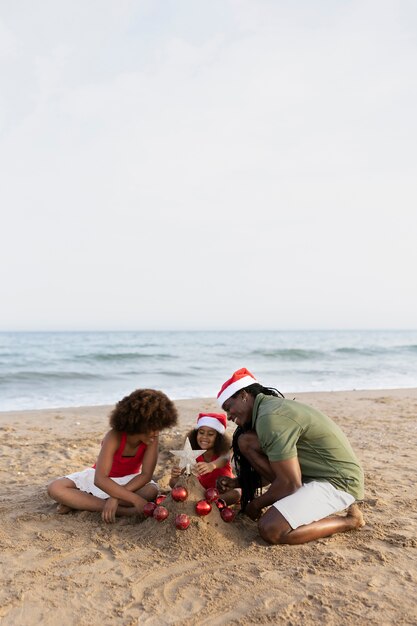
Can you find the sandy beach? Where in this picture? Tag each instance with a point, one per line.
(76, 570)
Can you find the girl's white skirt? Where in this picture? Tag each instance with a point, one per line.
(84, 481)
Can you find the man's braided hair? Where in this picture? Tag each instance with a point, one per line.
(249, 479)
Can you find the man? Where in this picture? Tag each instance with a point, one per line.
(305, 457)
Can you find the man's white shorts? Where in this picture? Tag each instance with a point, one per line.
(312, 502)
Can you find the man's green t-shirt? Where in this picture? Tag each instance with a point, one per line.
(288, 429)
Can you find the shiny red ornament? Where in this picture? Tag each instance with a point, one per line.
(160, 513)
(211, 494)
(221, 504)
(149, 508)
(227, 514)
(179, 494)
(159, 499)
(182, 521)
(203, 507)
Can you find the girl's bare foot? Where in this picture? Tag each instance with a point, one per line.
(356, 514)
(63, 509)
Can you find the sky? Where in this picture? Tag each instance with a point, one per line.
(230, 164)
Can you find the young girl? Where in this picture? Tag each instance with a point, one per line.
(209, 435)
(121, 482)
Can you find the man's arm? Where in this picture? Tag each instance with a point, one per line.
(287, 480)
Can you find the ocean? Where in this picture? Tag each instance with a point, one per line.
(58, 369)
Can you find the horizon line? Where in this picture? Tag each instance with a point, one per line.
(207, 330)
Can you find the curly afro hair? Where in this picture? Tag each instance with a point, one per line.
(144, 410)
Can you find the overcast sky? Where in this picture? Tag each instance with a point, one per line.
(195, 165)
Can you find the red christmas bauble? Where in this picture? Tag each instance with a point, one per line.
(149, 508)
(227, 514)
(211, 494)
(160, 513)
(203, 507)
(221, 504)
(182, 521)
(159, 499)
(179, 494)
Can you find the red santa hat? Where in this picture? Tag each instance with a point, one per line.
(241, 378)
(216, 421)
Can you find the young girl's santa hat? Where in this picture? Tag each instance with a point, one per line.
(241, 378)
(216, 421)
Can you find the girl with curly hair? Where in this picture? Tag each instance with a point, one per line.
(120, 482)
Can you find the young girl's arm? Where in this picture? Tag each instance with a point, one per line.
(207, 468)
(148, 467)
(175, 474)
(110, 444)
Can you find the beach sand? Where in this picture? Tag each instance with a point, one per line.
(75, 570)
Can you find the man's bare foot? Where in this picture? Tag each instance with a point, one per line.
(63, 509)
(356, 514)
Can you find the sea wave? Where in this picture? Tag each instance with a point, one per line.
(366, 351)
(171, 373)
(120, 356)
(290, 354)
(411, 348)
(42, 377)
(66, 369)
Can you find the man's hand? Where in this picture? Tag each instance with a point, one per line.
(224, 483)
(253, 510)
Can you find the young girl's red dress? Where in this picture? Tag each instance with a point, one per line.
(209, 480)
(126, 465)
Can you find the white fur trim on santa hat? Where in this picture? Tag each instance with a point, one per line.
(241, 383)
(211, 422)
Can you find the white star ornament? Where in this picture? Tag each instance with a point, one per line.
(187, 456)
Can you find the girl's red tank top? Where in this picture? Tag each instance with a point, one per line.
(209, 480)
(125, 465)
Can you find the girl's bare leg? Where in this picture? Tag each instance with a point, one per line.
(148, 492)
(63, 509)
(64, 491)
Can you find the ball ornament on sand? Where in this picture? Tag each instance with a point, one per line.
(160, 513)
(221, 504)
(182, 521)
(202, 507)
(211, 494)
(149, 508)
(179, 494)
(159, 499)
(227, 514)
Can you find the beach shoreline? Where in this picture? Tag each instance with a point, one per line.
(74, 569)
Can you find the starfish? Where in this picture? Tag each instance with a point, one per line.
(187, 456)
